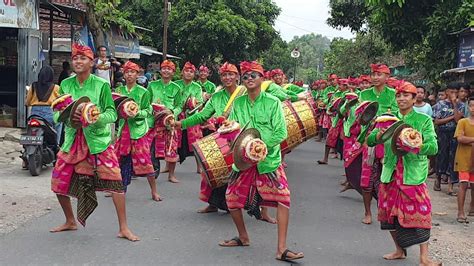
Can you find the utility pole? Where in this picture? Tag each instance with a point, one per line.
(165, 30)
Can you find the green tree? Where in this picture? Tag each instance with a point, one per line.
(353, 57)
(102, 14)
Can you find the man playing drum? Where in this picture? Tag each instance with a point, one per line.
(266, 182)
(215, 111)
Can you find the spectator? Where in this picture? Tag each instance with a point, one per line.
(463, 161)
(464, 94)
(420, 105)
(446, 114)
(105, 67)
(442, 95)
(40, 96)
(66, 73)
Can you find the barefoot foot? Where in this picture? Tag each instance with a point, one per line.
(156, 197)
(173, 179)
(127, 234)
(268, 219)
(72, 226)
(397, 255)
(430, 263)
(207, 209)
(367, 219)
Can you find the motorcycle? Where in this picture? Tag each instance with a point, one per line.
(39, 144)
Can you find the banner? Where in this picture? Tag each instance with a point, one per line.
(466, 50)
(19, 14)
(122, 45)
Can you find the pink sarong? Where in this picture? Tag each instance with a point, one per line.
(139, 149)
(250, 181)
(79, 160)
(410, 204)
(166, 144)
(333, 134)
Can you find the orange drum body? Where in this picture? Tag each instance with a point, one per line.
(215, 156)
(301, 123)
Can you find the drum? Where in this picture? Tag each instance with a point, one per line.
(214, 155)
(294, 126)
(301, 122)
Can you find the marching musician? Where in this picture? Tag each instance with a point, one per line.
(404, 206)
(215, 111)
(133, 144)
(208, 88)
(190, 96)
(166, 92)
(265, 183)
(87, 161)
(385, 97)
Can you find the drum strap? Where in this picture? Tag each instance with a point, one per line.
(239, 91)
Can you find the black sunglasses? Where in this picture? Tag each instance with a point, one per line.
(252, 75)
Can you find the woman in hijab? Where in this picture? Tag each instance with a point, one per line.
(41, 95)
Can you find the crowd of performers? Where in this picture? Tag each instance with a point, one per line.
(164, 120)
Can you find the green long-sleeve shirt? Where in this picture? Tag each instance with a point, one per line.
(266, 115)
(98, 135)
(166, 94)
(274, 89)
(386, 99)
(214, 107)
(294, 88)
(139, 124)
(208, 86)
(325, 92)
(191, 89)
(415, 166)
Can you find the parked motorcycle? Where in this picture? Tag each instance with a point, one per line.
(39, 144)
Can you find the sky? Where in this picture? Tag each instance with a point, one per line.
(299, 17)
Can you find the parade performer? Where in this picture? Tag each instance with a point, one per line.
(277, 75)
(207, 86)
(216, 110)
(191, 96)
(385, 97)
(404, 205)
(333, 140)
(133, 144)
(265, 183)
(87, 161)
(167, 93)
(365, 82)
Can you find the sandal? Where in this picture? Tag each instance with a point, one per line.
(237, 241)
(322, 162)
(284, 256)
(462, 220)
(452, 193)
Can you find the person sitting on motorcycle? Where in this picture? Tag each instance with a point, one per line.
(40, 96)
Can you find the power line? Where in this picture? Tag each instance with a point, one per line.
(309, 31)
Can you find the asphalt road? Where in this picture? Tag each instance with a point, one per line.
(324, 224)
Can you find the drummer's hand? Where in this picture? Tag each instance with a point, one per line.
(76, 118)
(176, 124)
(301, 97)
(379, 134)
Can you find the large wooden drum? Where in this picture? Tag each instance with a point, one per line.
(301, 123)
(214, 154)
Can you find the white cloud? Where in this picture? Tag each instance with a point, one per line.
(299, 17)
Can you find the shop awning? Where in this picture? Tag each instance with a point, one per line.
(147, 50)
(458, 70)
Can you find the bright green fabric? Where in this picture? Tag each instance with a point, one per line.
(138, 125)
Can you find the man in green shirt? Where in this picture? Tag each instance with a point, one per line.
(218, 105)
(168, 93)
(207, 86)
(267, 179)
(190, 90)
(133, 144)
(87, 158)
(385, 97)
(277, 76)
(404, 206)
